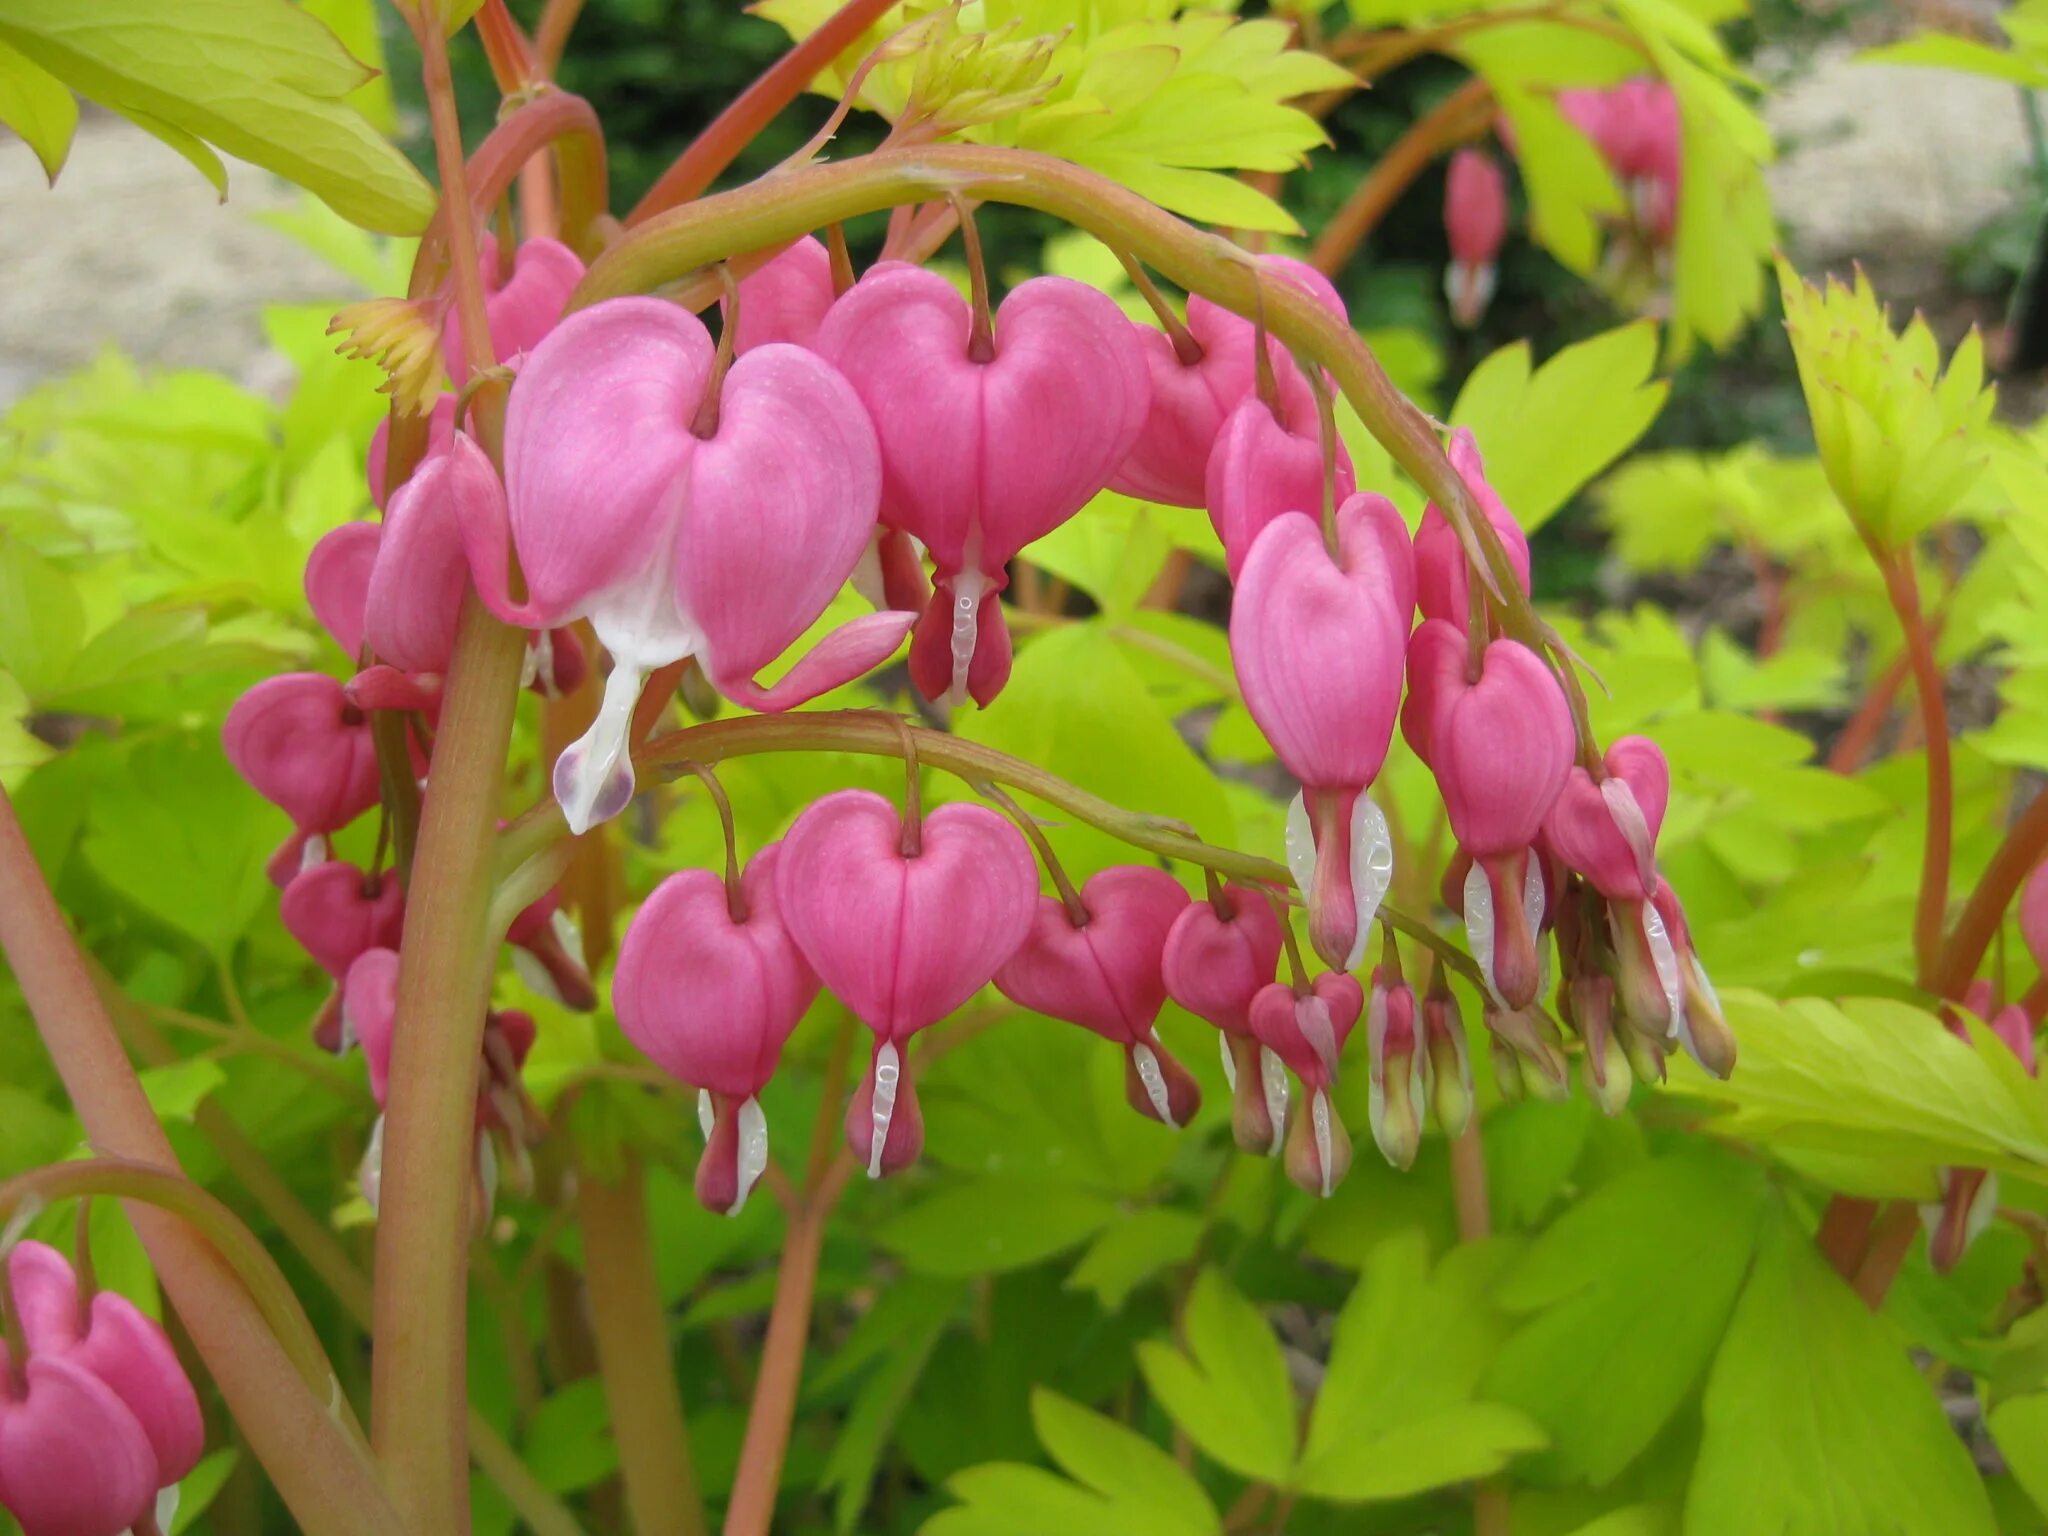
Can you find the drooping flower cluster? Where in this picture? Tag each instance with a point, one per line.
(97, 1416)
(700, 499)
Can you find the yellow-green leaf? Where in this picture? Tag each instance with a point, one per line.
(36, 105)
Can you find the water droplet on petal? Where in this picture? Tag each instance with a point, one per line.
(888, 1071)
(1155, 1084)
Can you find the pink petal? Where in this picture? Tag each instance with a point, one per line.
(440, 429)
(904, 941)
(130, 1354)
(708, 1000)
(850, 651)
(786, 298)
(422, 572)
(46, 1291)
(73, 1459)
(302, 746)
(369, 1006)
(338, 582)
(1104, 975)
(544, 274)
(1214, 966)
(336, 912)
(1501, 749)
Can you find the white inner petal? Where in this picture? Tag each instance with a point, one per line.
(167, 1507)
(888, 1070)
(527, 967)
(968, 588)
(370, 1171)
(1273, 1078)
(1155, 1083)
(1665, 959)
(1229, 1061)
(1372, 870)
(1301, 845)
(706, 1118)
(753, 1153)
(1479, 926)
(314, 852)
(1319, 1117)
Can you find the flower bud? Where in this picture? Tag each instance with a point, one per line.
(1218, 956)
(1307, 1030)
(1607, 831)
(1397, 1060)
(1442, 581)
(1449, 1061)
(1475, 223)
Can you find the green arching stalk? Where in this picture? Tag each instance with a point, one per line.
(877, 733)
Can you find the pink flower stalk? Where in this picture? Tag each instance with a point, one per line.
(1307, 1030)
(1219, 954)
(1607, 831)
(338, 582)
(1635, 126)
(1475, 224)
(98, 1417)
(1398, 1064)
(440, 433)
(302, 746)
(1191, 400)
(336, 912)
(682, 514)
(1318, 646)
(1441, 578)
(983, 454)
(709, 986)
(2034, 915)
(1105, 974)
(1500, 747)
(785, 298)
(904, 923)
(522, 308)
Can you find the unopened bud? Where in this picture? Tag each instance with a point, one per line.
(1318, 1153)
(1609, 1080)
(1449, 1062)
(1507, 1070)
(1397, 1069)
(1157, 1086)
(1258, 1094)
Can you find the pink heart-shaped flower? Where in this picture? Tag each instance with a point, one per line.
(1608, 831)
(520, 308)
(1105, 974)
(904, 940)
(303, 747)
(440, 432)
(1442, 579)
(1214, 965)
(73, 1459)
(336, 912)
(709, 998)
(786, 297)
(1262, 467)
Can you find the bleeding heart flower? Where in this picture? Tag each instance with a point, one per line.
(1307, 1030)
(440, 433)
(1442, 582)
(1393, 1038)
(1318, 646)
(785, 298)
(338, 582)
(1501, 747)
(1475, 223)
(73, 1459)
(901, 934)
(1449, 1059)
(1635, 126)
(1608, 831)
(1218, 955)
(1191, 399)
(982, 455)
(709, 986)
(1261, 467)
(548, 954)
(109, 1344)
(1104, 974)
(336, 912)
(678, 527)
(303, 747)
(522, 307)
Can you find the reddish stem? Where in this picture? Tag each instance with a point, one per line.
(1853, 746)
(1932, 908)
(506, 47)
(1890, 1240)
(1463, 115)
(734, 128)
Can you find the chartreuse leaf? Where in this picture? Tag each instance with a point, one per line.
(1545, 432)
(187, 841)
(42, 620)
(856, 1455)
(980, 1226)
(197, 1491)
(1130, 1252)
(1625, 1296)
(260, 79)
(39, 107)
(1229, 1390)
(176, 1089)
(1871, 1074)
(1123, 1467)
(2020, 1426)
(1395, 1415)
(1816, 1421)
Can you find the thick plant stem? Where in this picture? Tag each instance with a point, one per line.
(755, 107)
(446, 961)
(1890, 1240)
(331, 1488)
(634, 1357)
(1492, 1514)
(1461, 116)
